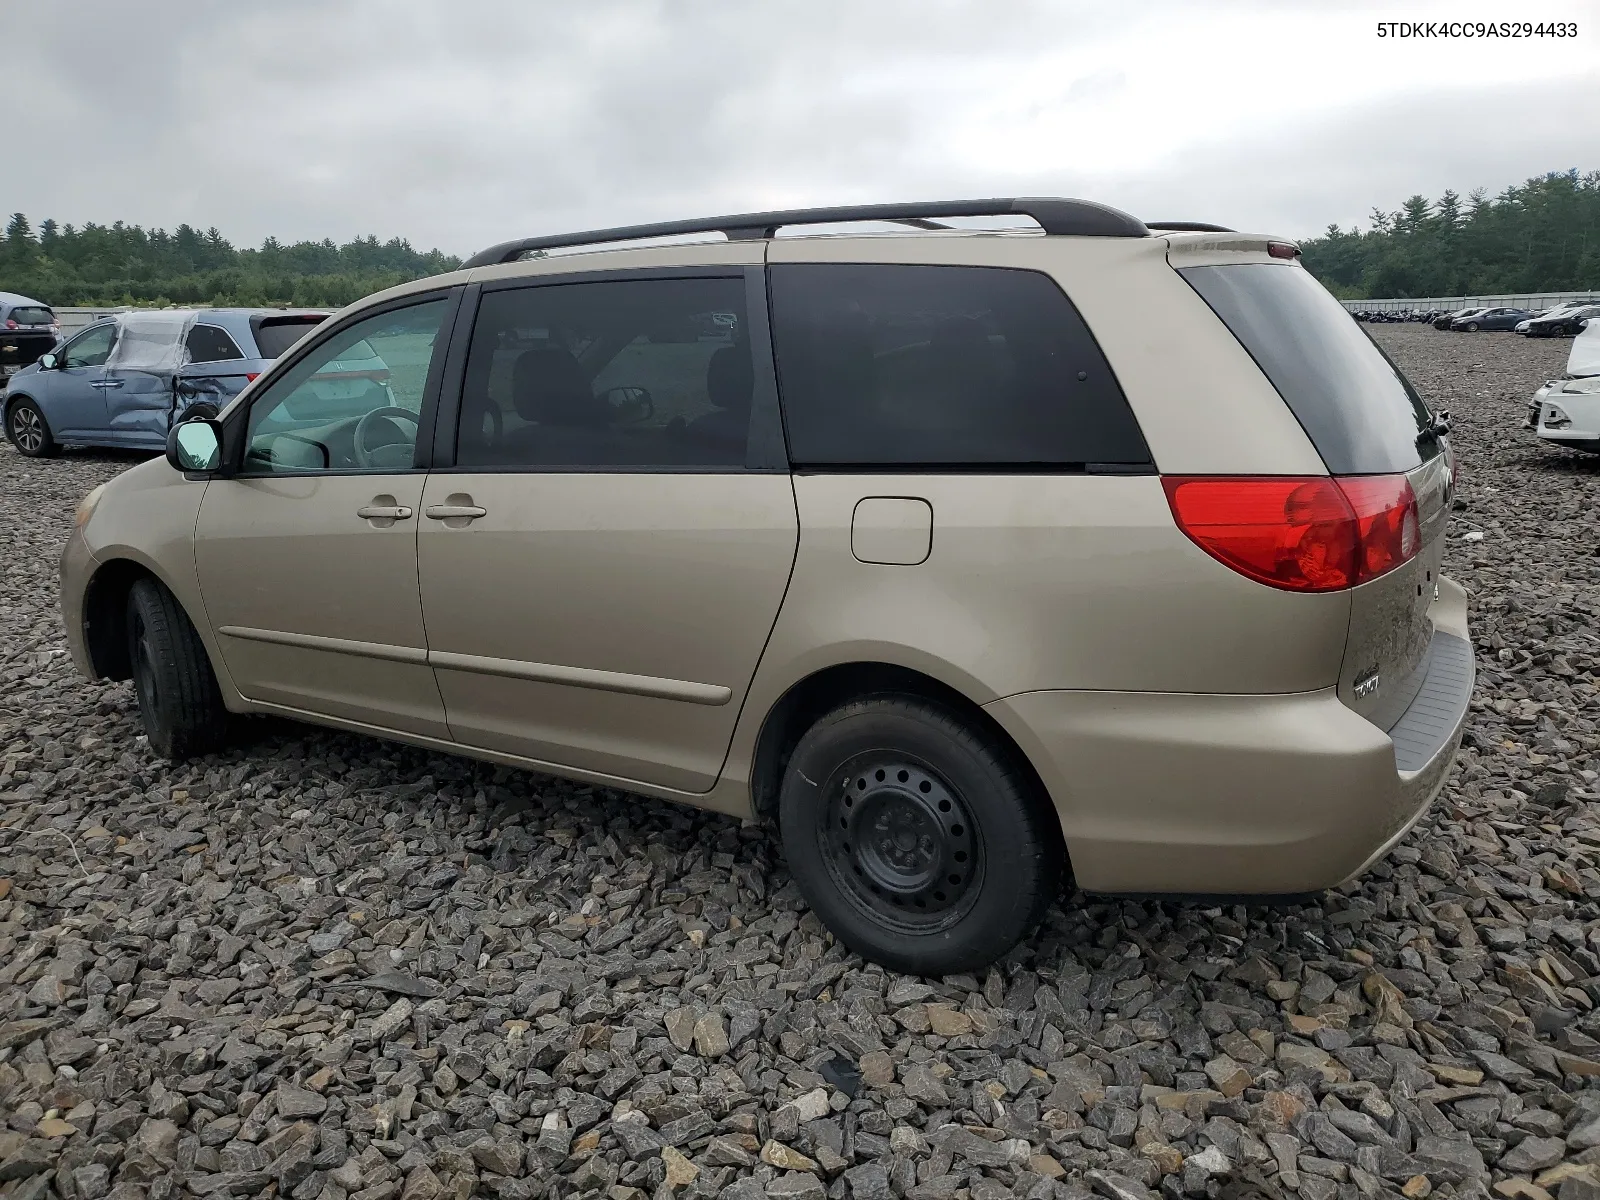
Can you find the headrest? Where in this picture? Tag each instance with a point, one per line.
(548, 386)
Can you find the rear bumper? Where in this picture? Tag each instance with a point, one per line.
(1242, 795)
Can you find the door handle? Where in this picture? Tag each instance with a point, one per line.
(450, 512)
(384, 512)
(106, 383)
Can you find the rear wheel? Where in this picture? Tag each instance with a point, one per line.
(914, 837)
(179, 700)
(29, 431)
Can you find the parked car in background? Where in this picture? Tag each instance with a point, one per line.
(1567, 411)
(1443, 320)
(124, 381)
(28, 329)
(1490, 319)
(1562, 322)
(904, 544)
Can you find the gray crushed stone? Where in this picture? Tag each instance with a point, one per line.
(325, 967)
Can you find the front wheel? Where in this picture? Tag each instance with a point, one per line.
(30, 432)
(1472, 327)
(915, 838)
(179, 700)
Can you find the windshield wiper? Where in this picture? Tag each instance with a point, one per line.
(1438, 425)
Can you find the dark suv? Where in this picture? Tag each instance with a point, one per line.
(27, 330)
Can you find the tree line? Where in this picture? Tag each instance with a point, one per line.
(1538, 236)
(1542, 235)
(105, 265)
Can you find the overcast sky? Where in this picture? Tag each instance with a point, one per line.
(464, 123)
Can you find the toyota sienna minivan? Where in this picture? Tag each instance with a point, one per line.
(927, 545)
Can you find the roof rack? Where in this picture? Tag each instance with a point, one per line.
(1083, 218)
(1187, 227)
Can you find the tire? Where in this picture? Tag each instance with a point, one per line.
(965, 855)
(29, 431)
(179, 700)
(1472, 327)
(198, 408)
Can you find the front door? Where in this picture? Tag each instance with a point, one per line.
(308, 557)
(602, 565)
(74, 402)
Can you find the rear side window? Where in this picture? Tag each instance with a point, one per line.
(31, 314)
(275, 336)
(1359, 411)
(935, 366)
(207, 343)
(631, 374)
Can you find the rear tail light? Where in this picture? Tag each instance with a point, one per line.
(251, 376)
(1283, 250)
(10, 324)
(1300, 533)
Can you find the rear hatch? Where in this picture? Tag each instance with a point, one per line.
(276, 334)
(1365, 419)
(28, 331)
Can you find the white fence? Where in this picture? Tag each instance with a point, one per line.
(1532, 300)
(74, 319)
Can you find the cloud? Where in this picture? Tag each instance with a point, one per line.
(464, 124)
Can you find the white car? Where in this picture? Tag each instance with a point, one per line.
(1567, 411)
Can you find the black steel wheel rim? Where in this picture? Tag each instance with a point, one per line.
(900, 842)
(27, 428)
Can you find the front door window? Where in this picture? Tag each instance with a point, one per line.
(353, 403)
(90, 348)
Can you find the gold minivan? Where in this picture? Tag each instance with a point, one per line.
(972, 558)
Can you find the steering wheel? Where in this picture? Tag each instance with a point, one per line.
(365, 454)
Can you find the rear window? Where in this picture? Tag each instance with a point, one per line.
(936, 366)
(207, 343)
(35, 314)
(1359, 411)
(275, 335)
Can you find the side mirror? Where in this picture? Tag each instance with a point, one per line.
(48, 362)
(195, 447)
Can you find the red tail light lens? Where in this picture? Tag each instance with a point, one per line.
(251, 376)
(1298, 533)
(10, 324)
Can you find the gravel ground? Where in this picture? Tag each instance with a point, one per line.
(328, 967)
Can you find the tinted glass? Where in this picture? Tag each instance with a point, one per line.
(631, 374)
(352, 403)
(901, 366)
(25, 314)
(207, 343)
(1359, 411)
(273, 338)
(90, 348)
